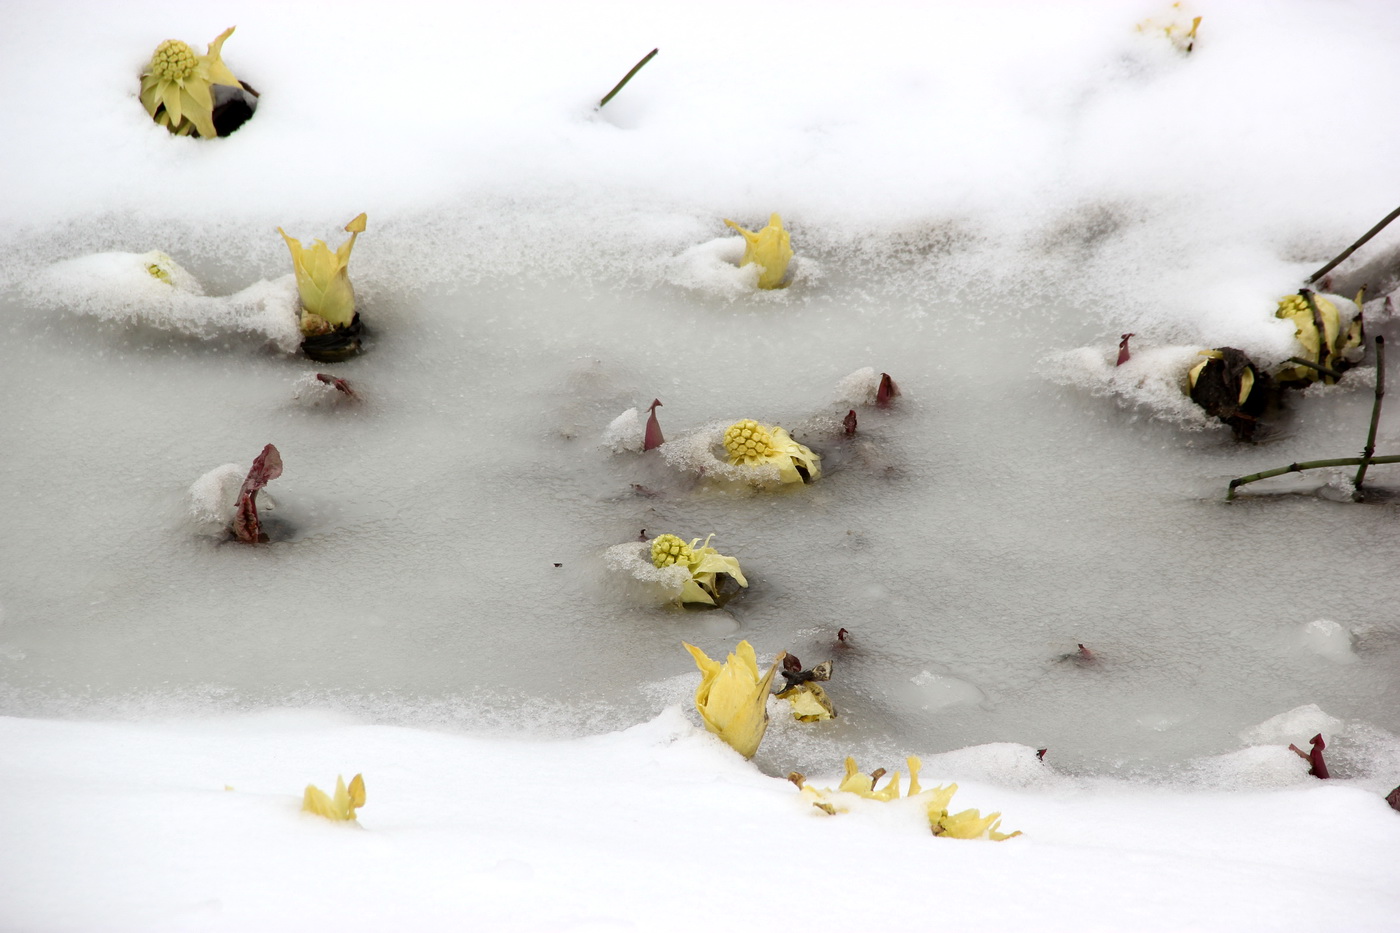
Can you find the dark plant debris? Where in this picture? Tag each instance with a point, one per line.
(1123, 353)
(849, 422)
(1230, 387)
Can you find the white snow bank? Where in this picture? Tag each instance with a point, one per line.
(195, 824)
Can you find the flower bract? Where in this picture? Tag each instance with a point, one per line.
(176, 86)
(769, 248)
(968, 824)
(732, 698)
(704, 563)
(749, 443)
(340, 807)
(323, 282)
(809, 702)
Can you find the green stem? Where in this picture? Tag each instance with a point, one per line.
(1354, 247)
(1311, 365)
(636, 68)
(1375, 419)
(1306, 465)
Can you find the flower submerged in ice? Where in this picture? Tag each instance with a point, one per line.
(770, 249)
(732, 698)
(340, 807)
(176, 88)
(968, 824)
(703, 562)
(1318, 327)
(323, 282)
(749, 443)
(1229, 386)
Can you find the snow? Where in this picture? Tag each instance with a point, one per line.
(194, 824)
(982, 199)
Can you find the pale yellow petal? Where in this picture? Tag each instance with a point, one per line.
(219, 73)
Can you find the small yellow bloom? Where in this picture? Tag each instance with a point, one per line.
(969, 824)
(1321, 335)
(1175, 28)
(340, 807)
(749, 443)
(770, 248)
(176, 87)
(323, 282)
(704, 563)
(732, 699)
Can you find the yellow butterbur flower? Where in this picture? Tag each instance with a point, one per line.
(1175, 29)
(340, 807)
(861, 784)
(769, 248)
(732, 698)
(176, 88)
(704, 563)
(323, 282)
(751, 444)
(1320, 334)
(969, 824)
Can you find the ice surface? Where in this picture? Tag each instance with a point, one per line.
(981, 201)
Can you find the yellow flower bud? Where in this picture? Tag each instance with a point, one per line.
(769, 248)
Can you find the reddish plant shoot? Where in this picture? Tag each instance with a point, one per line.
(1123, 353)
(266, 468)
(1393, 798)
(887, 391)
(849, 422)
(1085, 654)
(1040, 754)
(842, 634)
(653, 437)
(340, 385)
(1314, 757)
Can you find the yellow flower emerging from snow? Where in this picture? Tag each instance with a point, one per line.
(749, 443)
(770, 248)
(176, 87)
(340, 807)
(703, 562)
(1320, 332)
(732, 698)
(327, 297)
(969, 824)
(1176, 28)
